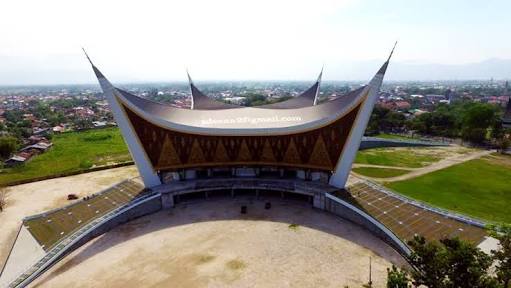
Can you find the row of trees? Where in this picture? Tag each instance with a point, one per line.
(471, 121)
(384, 120)
(453, 263)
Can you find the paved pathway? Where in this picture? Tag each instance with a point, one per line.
(355, 165)
(444, 163)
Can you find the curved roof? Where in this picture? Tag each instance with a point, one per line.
(241, 120)
(308, 98)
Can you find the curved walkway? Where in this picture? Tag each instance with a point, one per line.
(355, 165)
(444, 163)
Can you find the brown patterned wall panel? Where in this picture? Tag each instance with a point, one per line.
(232, 146)
(279, 146)
(171, 150)
(256, 146)
(319, 155)
(305, 144)
(208, 147)
(182, 144)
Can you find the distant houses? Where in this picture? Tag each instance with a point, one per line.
(99, 124)
(15, 160)
(83, 112)
(58, 129)
(41, 145)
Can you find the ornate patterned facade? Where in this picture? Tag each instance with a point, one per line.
(298, 134)
(168, 150)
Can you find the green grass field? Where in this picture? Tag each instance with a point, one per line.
(399, 157)
(72, 152)
(393, 136)
(479, 188)
(379, 172)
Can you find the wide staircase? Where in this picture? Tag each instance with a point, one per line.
(58, 230)
(407, 218)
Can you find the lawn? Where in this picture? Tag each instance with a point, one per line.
(73, 151)
(379, 172)
(479, 188)
(399, 157)
(394, 136)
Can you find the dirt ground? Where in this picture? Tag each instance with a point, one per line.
(210, 244)
(32, 198)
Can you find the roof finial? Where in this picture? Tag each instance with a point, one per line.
(87, 55)
(321, 73)
(392, 51)
(96, 70)
(189, 77)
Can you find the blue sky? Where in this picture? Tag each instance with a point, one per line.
(227, 39)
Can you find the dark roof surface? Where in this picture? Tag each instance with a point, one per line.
(242, 118)
(308, 98)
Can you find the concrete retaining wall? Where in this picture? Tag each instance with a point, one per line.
(70, 173)
(373, 142)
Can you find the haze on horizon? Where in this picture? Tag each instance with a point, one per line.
(134, 41)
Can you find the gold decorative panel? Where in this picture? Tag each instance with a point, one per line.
(171, 150)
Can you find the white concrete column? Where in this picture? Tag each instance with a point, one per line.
(145, 168)
(343, 167)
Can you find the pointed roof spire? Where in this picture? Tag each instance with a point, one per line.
(192, 90)
(392, 51)
(96, 70)
(383, 68)
(321, 73)
(189, 77)
(87, 55)
(316, 95)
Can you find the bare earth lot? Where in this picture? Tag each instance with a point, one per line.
(210, 244)
(32, 198)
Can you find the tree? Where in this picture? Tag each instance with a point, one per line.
(8, 145)
(397, 278)
(56, 118)
(430, 260)
(476, 120)
(82, 124)
(500, 136)
(450, 263)
(255, 99)
(443, 122)
(13, 116)
(503, 255)
(385, 120)
(440, 122)
(467, 265)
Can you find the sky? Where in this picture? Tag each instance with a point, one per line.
(136, 41)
